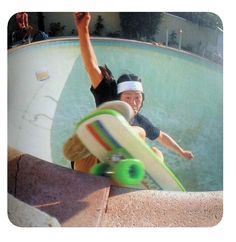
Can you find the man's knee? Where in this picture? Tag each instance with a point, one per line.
(84, 165)
(141, 132)
(158, 153)
(74, 149)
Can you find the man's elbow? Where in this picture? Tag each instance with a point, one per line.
(160, 137)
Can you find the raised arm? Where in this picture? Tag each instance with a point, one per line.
(20, 20)
(82, 21)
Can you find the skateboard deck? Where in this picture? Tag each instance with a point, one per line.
(106, 133)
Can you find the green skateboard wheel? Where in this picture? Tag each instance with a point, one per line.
(99, 169)
(128, 172)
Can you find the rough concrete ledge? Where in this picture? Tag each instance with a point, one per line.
(142, 208)
(75, 199)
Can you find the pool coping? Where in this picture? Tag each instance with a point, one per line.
(151, 44)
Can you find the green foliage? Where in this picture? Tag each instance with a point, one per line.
(55, 29)
(98, 26)
(140, 25)
(205, 19)
(173, 39)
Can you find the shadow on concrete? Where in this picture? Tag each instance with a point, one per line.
(74, 198)
(116, 190)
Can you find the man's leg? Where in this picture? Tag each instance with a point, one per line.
(140, 131)
(74, 149)
(85, 164)
(158, 153)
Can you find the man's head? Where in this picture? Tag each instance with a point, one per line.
(130, 90)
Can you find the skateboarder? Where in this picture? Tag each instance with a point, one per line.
(127, 88)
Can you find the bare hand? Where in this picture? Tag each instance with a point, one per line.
(188, 155)
(82, 19)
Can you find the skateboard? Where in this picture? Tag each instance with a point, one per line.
(123, 155)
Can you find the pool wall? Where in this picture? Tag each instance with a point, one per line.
(48, 93)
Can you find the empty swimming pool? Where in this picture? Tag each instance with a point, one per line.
(48, 92)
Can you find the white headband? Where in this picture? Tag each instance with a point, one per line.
(129, 86)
